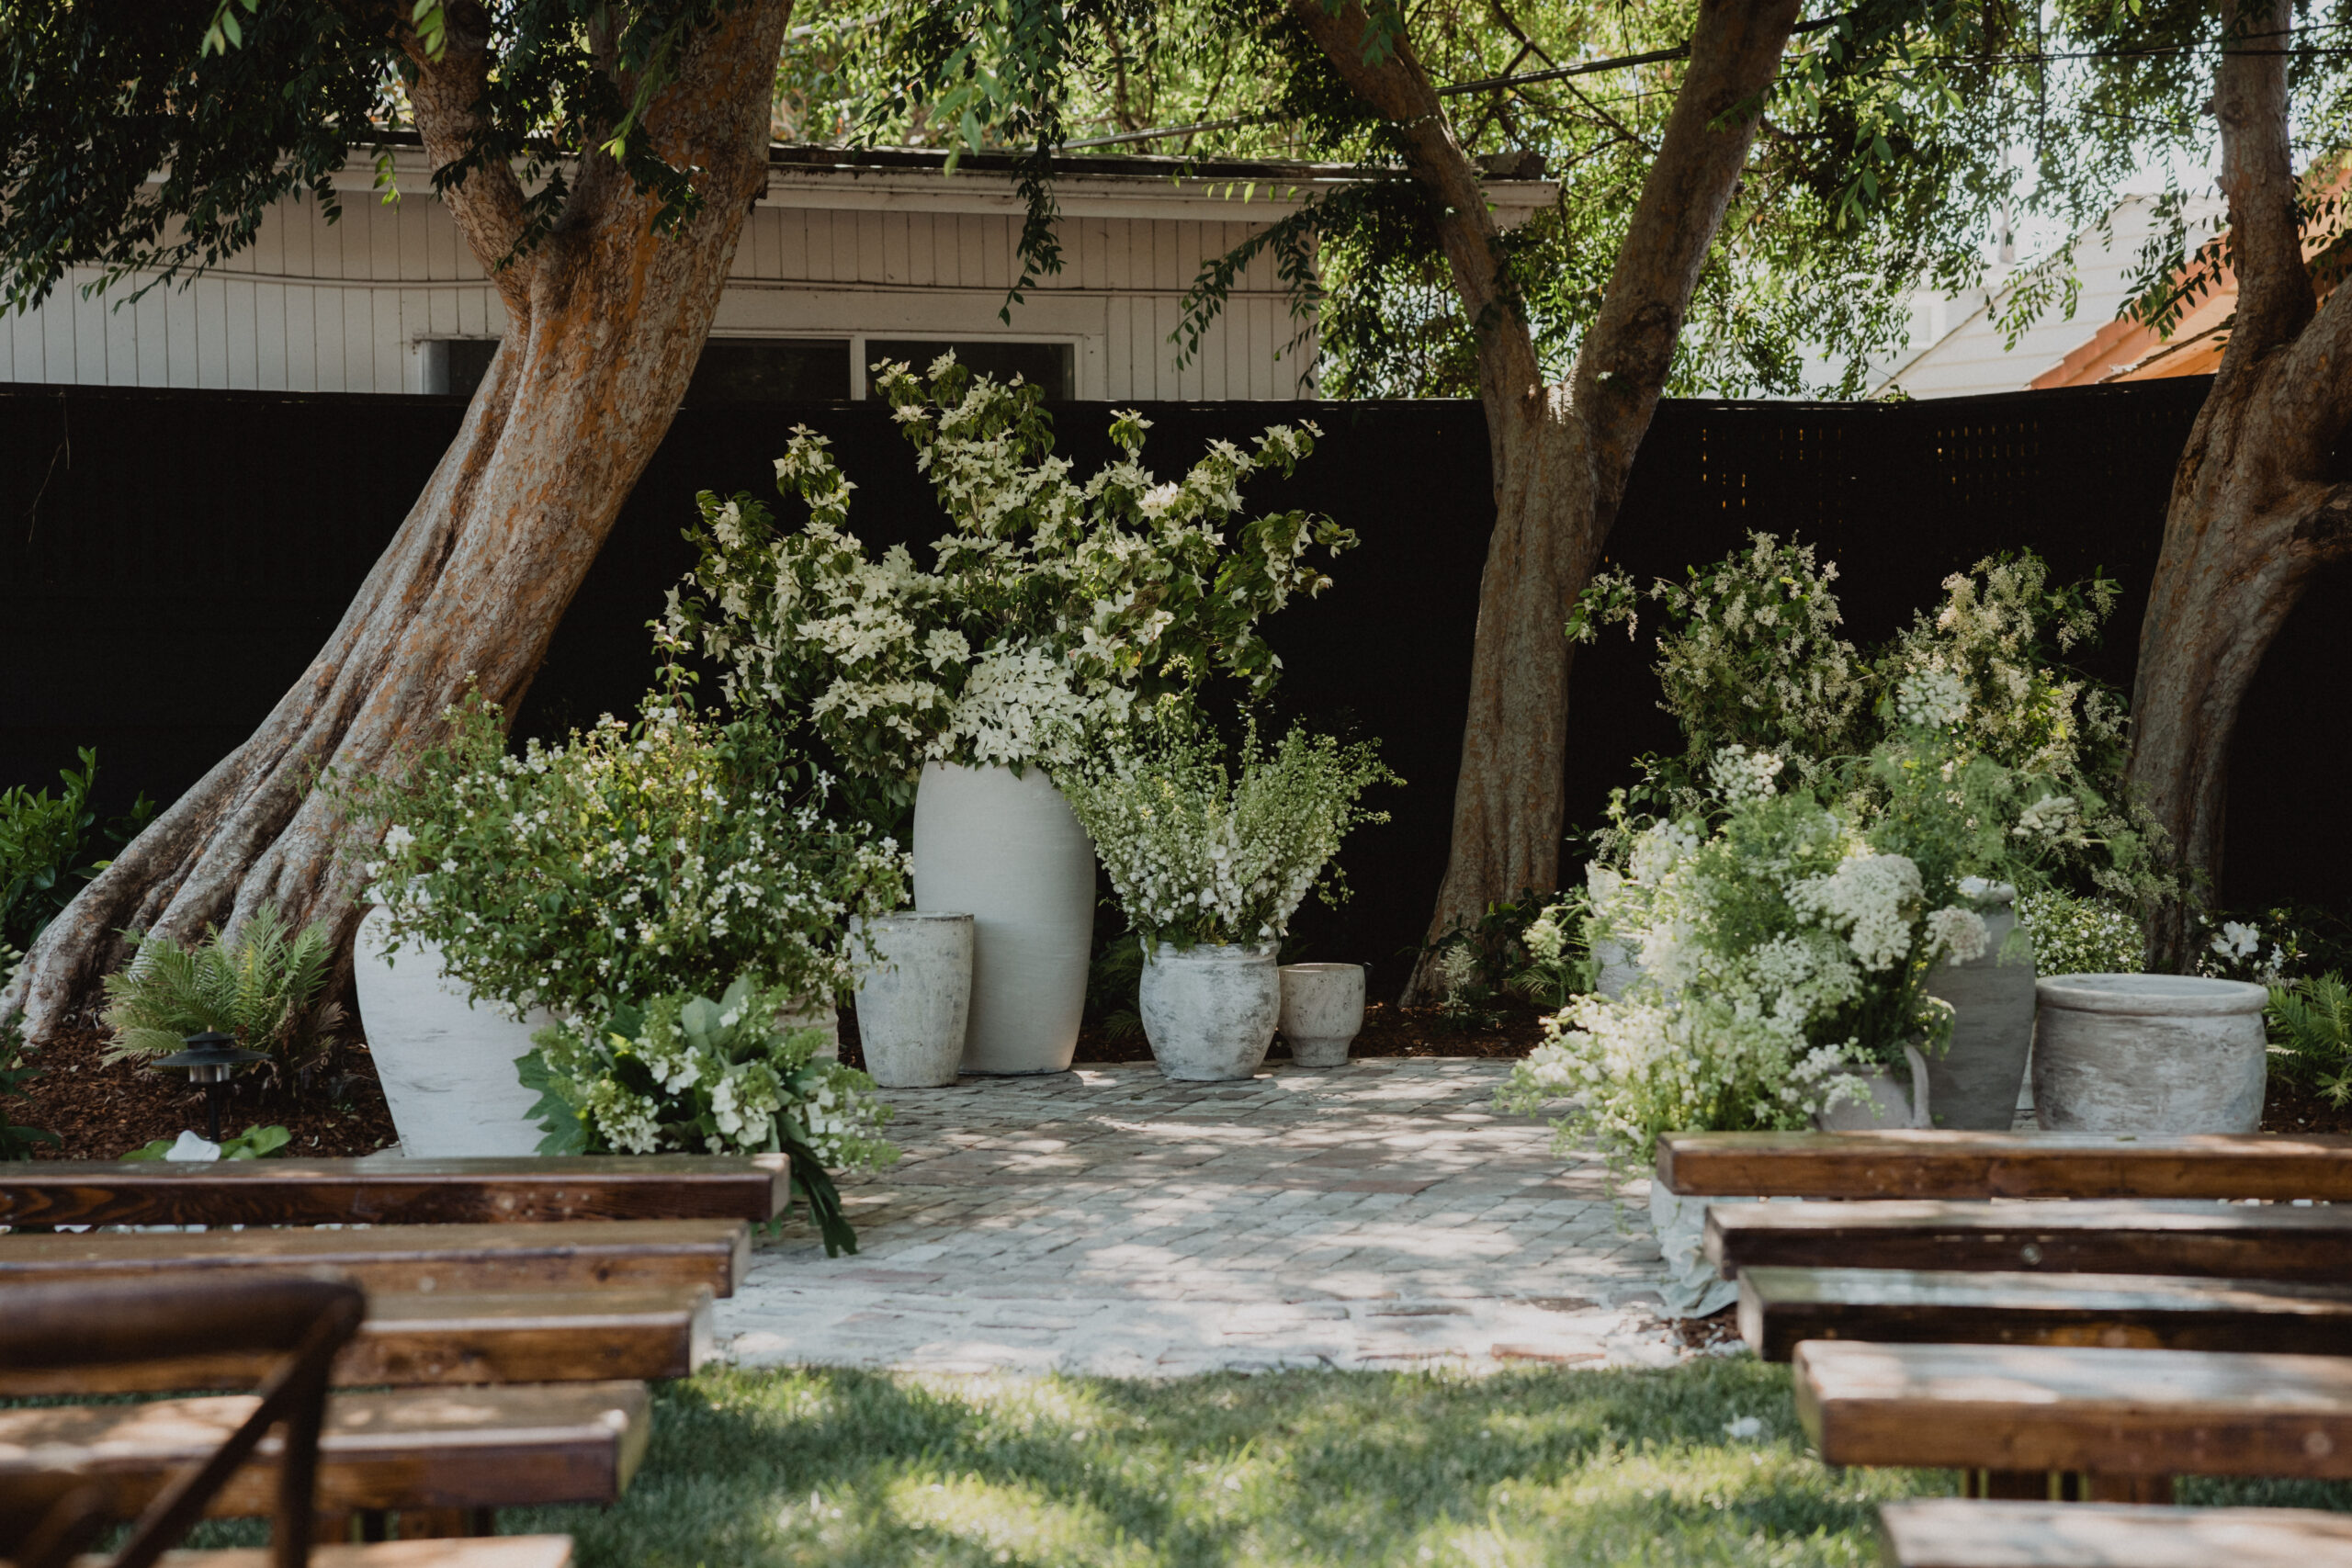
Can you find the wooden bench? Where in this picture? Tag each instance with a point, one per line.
(1779, 1308)
(2226, 1241)
(2129, 1419)
(419, 1448)
(1946, 1533)
(489, 1551)
(2005, 1165)
(512, 1337)
(575, 1254)
(392, 1192)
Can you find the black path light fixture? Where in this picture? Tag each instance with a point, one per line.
(212, 1060)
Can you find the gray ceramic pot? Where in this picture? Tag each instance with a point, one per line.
(1975, 1082)
(914, 998)
(1209, 1012)
(1322, 1011)
(2149, 1054)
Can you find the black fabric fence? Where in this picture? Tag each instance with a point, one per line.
(170, 561)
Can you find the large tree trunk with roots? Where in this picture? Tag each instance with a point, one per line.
(606, 320)
(2252, 512)
(1561, 453)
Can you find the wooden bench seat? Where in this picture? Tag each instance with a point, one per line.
(2268, 1241)
(448, 1338)
(392, 1192)
(2005, 1165)
(626, 1254)
(1944, 1532)
(2043, 1408)
(489, 1551)
(418, 1448)
(1780, 1307)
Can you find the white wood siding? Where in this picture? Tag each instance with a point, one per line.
(343, 307)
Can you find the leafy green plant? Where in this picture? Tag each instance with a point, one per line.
(2080, 936)
(1114, 983)
(685, 1073)
(255, 1143)
(15, 1142)
(262, 986)
(2310, 1034)
(43, 840)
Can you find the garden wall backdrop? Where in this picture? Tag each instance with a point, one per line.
(170, 559)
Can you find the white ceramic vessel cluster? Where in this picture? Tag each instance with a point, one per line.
(1322, 1011)
(1209, 1012)
(447, 1064)
(914, 998)
(2149, 1054)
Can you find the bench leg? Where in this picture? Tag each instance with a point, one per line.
(2015, 1485)
(375, 1525)
(435, 1523)
(2128, 1488)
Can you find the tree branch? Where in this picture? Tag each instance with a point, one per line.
(450, 98)
(2274, 296)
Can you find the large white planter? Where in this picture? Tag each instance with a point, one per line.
(447, 1064)
(1322, 1011)
(1009, 853)
(2149, 1054)
(1975, 1082)
(914, 998)
(1209, 1012)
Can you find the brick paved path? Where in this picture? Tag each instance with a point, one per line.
(1108, 1221)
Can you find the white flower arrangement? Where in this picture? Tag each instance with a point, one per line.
(1051, 609)
(1201, 852)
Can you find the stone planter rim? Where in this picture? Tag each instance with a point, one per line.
(909, 917)
(2144, 996)
(1318, 968)
(1977, 890)
(1168, 952)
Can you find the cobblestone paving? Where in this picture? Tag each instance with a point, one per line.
(1107, 1220)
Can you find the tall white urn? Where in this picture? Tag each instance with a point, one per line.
(1008, 850)
(447, 1062)
(914, 994)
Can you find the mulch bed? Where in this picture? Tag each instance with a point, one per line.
(2292, 1108)
(102, 1111)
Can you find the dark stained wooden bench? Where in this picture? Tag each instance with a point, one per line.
(2005, 1165)
(392, 1192)
(416, 1449)
(2267, 1241)
(623, 1254)
(1779, 1308)
(2129, 1419)
(489, 1551)
(446, 1338)
(1945, 1532)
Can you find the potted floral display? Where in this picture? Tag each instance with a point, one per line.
(681, 1073)
(631, 861)
(1209, 863)
(1052, 608)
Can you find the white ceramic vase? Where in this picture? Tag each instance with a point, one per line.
(1322, 1011)
(2149, 1054)
(914, 998)
(447, 1062)
(1008, 850)
(1975, 1081)
(1885, 1102)
(1209, 1012)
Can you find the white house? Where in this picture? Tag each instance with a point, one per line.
(851, 253)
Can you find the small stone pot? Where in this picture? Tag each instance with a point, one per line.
(1886, 1104)
(1322, 1011)
(1975, 1081)
(914, 998)
(2149, 1054)
(1209, 1012)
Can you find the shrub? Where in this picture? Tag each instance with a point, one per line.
(2311, 1035)
(262, 986)
(2080, 936)
(15, 1142)
(42, 843)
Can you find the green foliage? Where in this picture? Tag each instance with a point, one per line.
(2092, 935)
(255, 1143)
(1529, 947)
(262, 986)
(670, 855)
(1114, 986)
(2310, 1034)
(15, 1142)
(42, 841)
(686, 1073)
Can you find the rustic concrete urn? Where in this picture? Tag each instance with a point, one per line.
(1209, 1010)
(2149, 1054)
(914, 996)
(445, 1061)
(1322, 1011)
(1885, 1100)
(1975, 1081)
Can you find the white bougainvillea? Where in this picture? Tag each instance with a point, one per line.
(1050, 609)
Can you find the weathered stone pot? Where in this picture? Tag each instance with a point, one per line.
(1322, 1011)
(445, 1061)
(1886, 1101)
(1008, 852)
(914, 998)
(1974, 1083)
(1209, 1012)
(2149, 1054)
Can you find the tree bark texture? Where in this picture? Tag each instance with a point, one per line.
(2251, 512)
(606, 320)
(1561, 452)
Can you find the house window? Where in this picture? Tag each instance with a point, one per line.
(731, 370)
(1048, 365)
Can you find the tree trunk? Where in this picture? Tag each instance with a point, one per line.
(1561, 454)
(2252, 512)
(606, 320)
